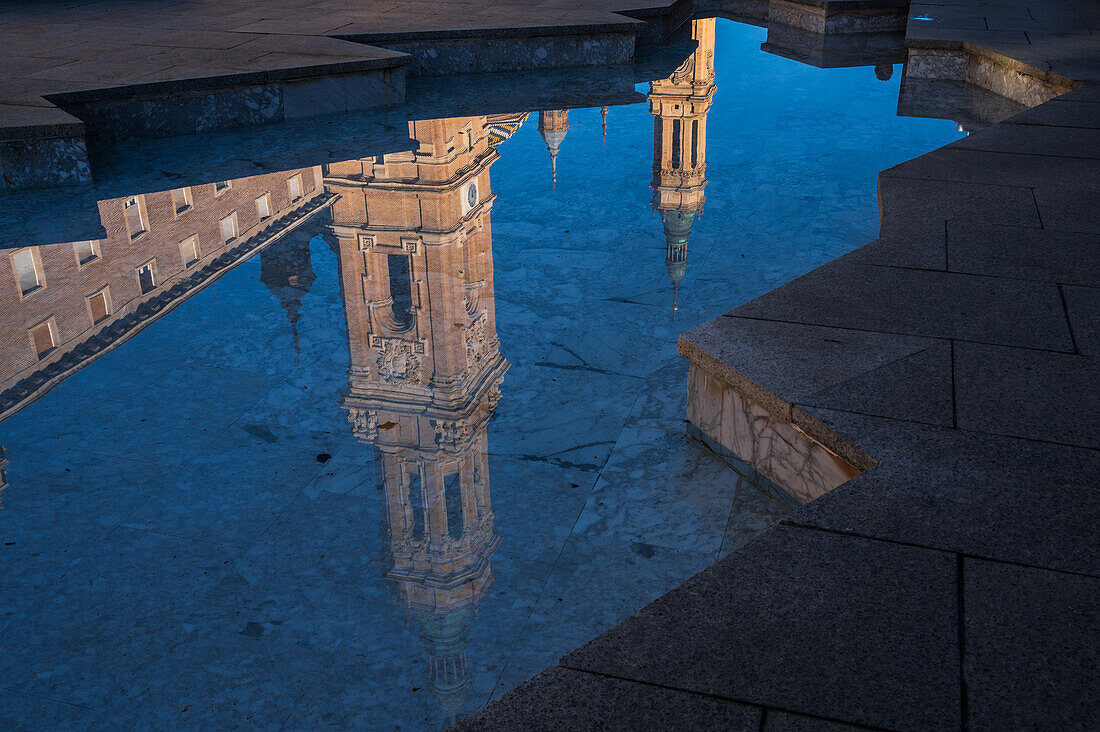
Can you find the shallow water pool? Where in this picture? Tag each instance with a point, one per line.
(368, 442)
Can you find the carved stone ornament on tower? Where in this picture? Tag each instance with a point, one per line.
(449, 434)
(684, 71)
(399, 360)
(477, 343)
(364, 423)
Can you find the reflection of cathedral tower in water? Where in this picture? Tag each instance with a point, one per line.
(416, 262)
(553, 124)
(679, 105)
(287, 270)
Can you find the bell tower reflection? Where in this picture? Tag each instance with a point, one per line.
(679, 105)
(416, 262)
(553, 125)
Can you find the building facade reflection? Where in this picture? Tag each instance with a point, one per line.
(64, 304)
(679, 105)
(415, 250)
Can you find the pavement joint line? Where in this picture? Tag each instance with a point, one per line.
(970, 274)
(941, 550)
(898, 333)
(1037, 211)
(962, 430)
(960, 619)
(954, 390)
(721, 698)
(1069, 322)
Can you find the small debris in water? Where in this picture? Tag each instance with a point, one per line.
(323, 457)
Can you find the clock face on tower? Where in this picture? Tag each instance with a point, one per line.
(471, 195)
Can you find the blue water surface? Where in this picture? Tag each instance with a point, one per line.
(195, 536)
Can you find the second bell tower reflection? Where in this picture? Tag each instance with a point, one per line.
(416, 263)
(679, 105)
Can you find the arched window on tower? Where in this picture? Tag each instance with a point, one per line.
(694, 142)
(416, 505)
(452, 495)
(400, 288)
(675, 144)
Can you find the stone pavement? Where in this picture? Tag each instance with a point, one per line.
(116, 69)
(955, 582)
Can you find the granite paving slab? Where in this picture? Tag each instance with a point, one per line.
(1061, 209)
(937, 304)
(1003, 498)
(1031, 656)
(1021, 253)
(764, 625)
(825, 356)
(560, 698)
(963, 165)
(914, 388)
(1031, 394)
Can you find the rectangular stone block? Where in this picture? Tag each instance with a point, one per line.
(808, 621)
(1030, 655)
(775, 447)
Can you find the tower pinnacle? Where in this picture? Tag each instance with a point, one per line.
(553, 124)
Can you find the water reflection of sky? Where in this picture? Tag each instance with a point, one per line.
(230, 517)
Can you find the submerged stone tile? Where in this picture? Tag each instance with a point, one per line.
(580, 598)
(1015, 500)
(560, 698)
(24, 711)
(808, 621)
(581, 414)
(233, 679)
(1030, 658)
(661, 488)
(85, 636)
(1026, 393)
(754, 510)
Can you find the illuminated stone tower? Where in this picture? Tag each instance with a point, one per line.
(417, 270)
(679, 105)
(553, 124)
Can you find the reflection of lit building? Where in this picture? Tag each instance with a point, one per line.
(416, 262)
(553, 124)
(63, 304)
(287, 270)
(679, 106)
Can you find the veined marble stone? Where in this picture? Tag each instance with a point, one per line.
(778, 449)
